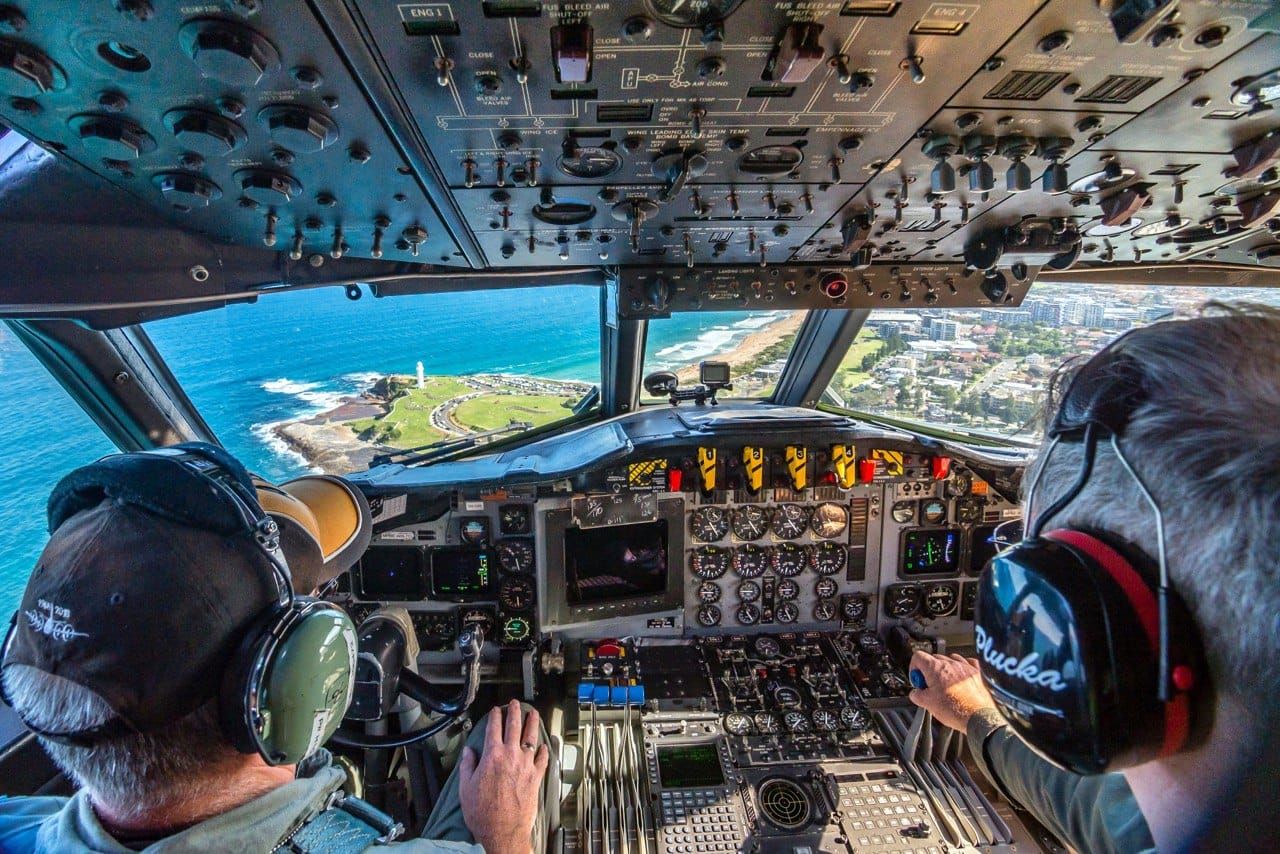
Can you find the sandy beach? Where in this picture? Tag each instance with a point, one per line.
(751, 346)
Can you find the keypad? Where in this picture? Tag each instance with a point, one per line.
(877, 813)
(699, 821)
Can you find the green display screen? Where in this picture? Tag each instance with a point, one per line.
(689, 765)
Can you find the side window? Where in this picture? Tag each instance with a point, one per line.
(43, 435)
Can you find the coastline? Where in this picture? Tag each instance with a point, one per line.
(328, 442)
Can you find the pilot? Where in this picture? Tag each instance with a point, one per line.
(115, 659)
(1202, 434)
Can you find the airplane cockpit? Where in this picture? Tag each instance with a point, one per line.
(688, 356)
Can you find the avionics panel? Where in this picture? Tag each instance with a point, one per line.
(392, 574)
(931, 551)
(613, 570)
(463, 574)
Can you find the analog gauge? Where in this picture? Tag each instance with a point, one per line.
(790, 520)
(709, 563)
(851, 717)
(824, 610)
(788, 589)
(708, 616)
(790, 559)
(709, 524)
(959, 484)
(590, 162)
(869, 643)
(768, 647)
(825, 588)
(854, 608)
(434, 628)
(736, 723)
(933, 512)
(904, 512)
(477, 617)
(750, 561)
(893, 681)
(902, 600)
(968, 510)
(940, 598)
(514, 519)
(515, 630)
(829, 520)
(786, 696)
(748, 591)
(691, 13)
(748, 615)
(750, 522)
(474, 531)
(516, 594)
(797, 722)
(765, 722)
(786, 612)
(516, 556)
(708, 592)
(826, 720)
(829, 558)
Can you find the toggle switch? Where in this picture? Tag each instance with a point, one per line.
(571, 51)
(798, 53)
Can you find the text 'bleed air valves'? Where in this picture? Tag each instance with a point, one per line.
(845, 464)
(707, 469)
(753, 467)
(798, 466)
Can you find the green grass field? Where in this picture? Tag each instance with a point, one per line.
(850, 374)
(498, 410)
(408, 424)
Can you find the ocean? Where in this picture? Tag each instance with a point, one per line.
(250, 367)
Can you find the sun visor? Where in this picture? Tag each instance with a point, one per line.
(325, 524)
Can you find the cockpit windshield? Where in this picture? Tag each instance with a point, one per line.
(313, 381)
(988, 369)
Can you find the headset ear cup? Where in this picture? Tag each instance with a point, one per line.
(299, 687)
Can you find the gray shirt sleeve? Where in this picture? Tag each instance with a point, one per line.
(1095, 813)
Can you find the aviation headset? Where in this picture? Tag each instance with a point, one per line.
(291, 678)
(1088, 652)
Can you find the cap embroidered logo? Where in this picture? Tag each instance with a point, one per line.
(54, 621)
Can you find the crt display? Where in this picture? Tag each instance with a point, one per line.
(615, 562)
(463, 574)
(931, 552)
(689, 765)
(393, 574)
(982, 547)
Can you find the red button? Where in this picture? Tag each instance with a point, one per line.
(866, 470)
(1184, 678)
(675, 479)
(941, 467)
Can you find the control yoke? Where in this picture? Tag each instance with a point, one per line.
(382, 678)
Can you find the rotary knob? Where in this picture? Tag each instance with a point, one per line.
(111, 137)
(25, 71)
(185, 190)
(268, 188)
(227, 51)
(205, 133)
(298, 128)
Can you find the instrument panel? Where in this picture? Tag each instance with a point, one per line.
(866, 532)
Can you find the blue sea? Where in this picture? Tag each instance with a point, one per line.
(249, 367)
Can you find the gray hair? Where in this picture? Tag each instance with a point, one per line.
(1206, 442)
(135, 773)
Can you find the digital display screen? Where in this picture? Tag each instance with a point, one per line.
(615, 562)
(931, 552)
(463, 574)
(689, 765)
(393, 574)
(982, 547)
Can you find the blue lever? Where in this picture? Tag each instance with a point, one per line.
(917, 679)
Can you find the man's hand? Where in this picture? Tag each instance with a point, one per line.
(955, 689)
(500, 790)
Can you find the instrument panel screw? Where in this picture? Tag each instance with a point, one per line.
(120, 378)
(995, 63)
(199, 273)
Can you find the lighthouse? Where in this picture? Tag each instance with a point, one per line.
(422, 379)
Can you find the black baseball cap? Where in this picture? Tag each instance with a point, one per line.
(151, 578)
